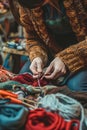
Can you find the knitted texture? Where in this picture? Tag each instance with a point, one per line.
(33, 47)
(75, 56)
(39, 40)
(77, 14)
(27, 78)
(67, 107)
(39, 119)
(79, 96)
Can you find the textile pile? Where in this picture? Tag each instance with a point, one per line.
(27, 105)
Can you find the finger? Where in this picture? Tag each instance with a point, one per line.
(36, 76)
(57, 75)
(39, 75)
(48, 70)
(53, 75)
(63, 71)
(33, 68)
(39, 68)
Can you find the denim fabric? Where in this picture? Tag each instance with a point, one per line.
(25, 68)
(78, 82)
(6, 63)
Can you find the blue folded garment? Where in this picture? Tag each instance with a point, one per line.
(12, 116)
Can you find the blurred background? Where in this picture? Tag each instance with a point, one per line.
(12, 40)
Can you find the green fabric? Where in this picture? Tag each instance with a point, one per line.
(9, 85)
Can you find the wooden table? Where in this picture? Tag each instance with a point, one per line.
(14, 51)
(16, 54)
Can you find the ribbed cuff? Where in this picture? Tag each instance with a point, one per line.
(74, 57)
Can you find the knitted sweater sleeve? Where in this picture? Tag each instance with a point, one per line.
(34, 45)
(75, 57)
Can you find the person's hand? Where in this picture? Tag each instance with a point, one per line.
(37, 67)
(55, 69)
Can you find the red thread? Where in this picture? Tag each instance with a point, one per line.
(39, 119)
(28, 79)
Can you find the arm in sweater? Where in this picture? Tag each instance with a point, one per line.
(34, 45)
(75, 57)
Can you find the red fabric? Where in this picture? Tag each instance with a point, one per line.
(39, 119)
(28, 79)
(5, 75)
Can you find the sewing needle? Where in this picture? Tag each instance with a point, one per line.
(39, 82)
(42, 93)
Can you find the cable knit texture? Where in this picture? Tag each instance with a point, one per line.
(77, 15)
(75, 56)
(39, 40)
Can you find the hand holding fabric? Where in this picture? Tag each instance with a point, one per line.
(37, 67)
(55, 69)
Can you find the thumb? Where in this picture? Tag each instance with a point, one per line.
(48, 70)
(39, 68)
